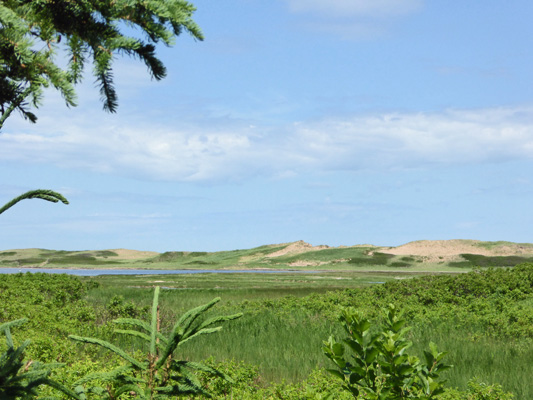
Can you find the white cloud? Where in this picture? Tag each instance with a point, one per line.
(180, 153)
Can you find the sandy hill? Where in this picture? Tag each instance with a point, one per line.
(448, 250)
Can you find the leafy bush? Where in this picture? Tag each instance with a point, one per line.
(379, 367)
(400, 264)
(117, 307)
(477, 391)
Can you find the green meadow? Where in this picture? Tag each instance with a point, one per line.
(482, 317)
(487, 332)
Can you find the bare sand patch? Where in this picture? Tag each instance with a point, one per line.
(126, 254)
(450, 250)
(297, 248)
(306, 263)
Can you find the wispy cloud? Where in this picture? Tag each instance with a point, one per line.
(376, 141)
(352, 19)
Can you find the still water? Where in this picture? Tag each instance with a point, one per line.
(95, 272)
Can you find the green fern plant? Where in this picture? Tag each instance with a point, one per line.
(20, 379)
(159, 375)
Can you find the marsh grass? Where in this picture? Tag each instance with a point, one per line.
(474, 355)
(286, 347)
(285, 342)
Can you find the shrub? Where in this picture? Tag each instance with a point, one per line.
(379, 367)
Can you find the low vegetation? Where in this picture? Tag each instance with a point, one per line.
(482, 319)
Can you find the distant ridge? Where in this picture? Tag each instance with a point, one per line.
(417, 255)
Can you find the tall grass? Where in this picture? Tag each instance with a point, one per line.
(285, 344)
(285, 348)
(474, 355)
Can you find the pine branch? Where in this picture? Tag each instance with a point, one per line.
(195, 333)
(140, 335)
(43, 194)
(221, 318)
(133, 322)
(155, 315)
(112, 348)
(104, 376)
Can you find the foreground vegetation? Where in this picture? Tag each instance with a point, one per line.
(483, 319)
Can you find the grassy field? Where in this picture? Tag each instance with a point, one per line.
(283, 328)
(484, 320)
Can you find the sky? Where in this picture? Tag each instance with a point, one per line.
(336, 122)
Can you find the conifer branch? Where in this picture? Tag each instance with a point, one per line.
(155, 309)
(43, 194)
(31, 43)
(161, 376)
(117, 350)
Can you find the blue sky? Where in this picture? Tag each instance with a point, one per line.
(337, 122)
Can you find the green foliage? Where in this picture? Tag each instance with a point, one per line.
(81, 259)
(43, 194)
(483, 319)
(34, 33)
(400, 264)
(380, 367)
(159, 374)
(323, 255)
(479, 260)
(477, 391)
(54, 306)
(495, 300)
(376, 258)
(58, 258)
(117, 307)
(170, 256)
(20, 379)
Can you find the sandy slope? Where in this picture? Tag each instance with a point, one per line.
(125, 254)
(448, 250)
(296, 248)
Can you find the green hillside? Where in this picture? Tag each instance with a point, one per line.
(445, 256)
